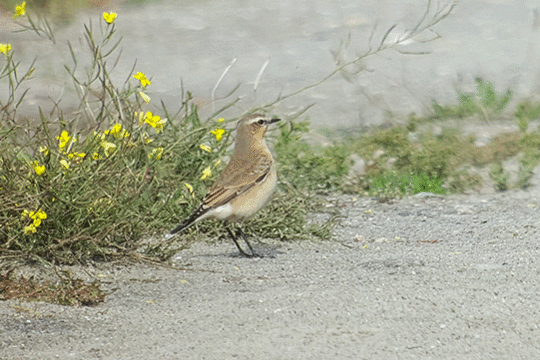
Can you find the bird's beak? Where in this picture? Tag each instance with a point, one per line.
(274, 120)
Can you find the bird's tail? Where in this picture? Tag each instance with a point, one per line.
(190, 220)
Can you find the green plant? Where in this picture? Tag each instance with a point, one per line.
(498, 175)
(528, 110)
(489, 99)
(524, 113)
(529, 160)
(425, 183)
(303, 166)
(92, 185)
(391, 185)
(433, 156)
(461, 180)
(486, 102)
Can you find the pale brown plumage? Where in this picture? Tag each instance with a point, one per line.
(246, 183)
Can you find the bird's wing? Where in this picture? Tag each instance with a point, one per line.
(237, 178)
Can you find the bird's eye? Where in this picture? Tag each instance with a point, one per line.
(260, 122)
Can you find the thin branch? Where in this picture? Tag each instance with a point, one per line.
(219, 82)
(417, 30)
(258, 78)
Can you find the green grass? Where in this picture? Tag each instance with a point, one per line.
(410, 158)
(485, 102)
(396, 154)
(393, 185)
(305, 167)
(499, 176)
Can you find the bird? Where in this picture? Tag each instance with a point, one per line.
(244, 186)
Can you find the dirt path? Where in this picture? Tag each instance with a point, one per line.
(460, 282)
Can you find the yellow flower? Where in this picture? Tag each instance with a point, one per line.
(206, 173)
(114, 130)
(205, 148)
(145, 97)
(64, 139)
(156, 153)
(44, 150)
(36, 216)
(221, 120)
(117, 131)
(64, 164)
(142, 79)
(76, 156)
(189, 187)
(98, 135)
(108, 147)
(218, 133)
(30, 229)
(20, 10)
(217, 162)
(151, 119)
(146, 138)
(5, 48)
(155, 121)
(110, 17)
(40, 214)
(39, 169)
(96, 156)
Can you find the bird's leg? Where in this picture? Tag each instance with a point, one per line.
(244, 236)
(236, 241)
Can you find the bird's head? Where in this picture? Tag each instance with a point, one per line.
(253, 127)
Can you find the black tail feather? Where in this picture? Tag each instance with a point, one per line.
(190, 220)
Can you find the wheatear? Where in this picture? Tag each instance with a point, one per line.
(246, 183)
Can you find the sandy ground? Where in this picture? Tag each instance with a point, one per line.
(421, 278)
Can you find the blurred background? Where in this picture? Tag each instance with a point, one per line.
(193, 42)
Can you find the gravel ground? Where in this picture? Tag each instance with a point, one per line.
(421, 278)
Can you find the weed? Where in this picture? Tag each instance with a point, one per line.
(488, 99)
(523, 124)
(425, 183)
(303, 166)
(498, 175)
(527, 163)
(530, 158)
(461, 180)
(392, 185)
(485, 102)
(527, 110)
(501, 147)
(447, 157)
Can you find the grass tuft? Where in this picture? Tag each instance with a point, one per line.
(485, 102)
